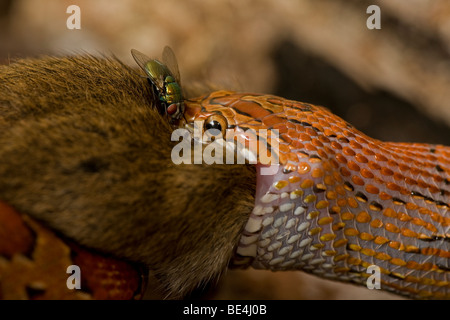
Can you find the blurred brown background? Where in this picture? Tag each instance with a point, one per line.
(393, 83)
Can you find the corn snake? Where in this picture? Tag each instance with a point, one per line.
(340, 201)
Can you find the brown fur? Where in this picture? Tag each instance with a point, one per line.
(82, 149)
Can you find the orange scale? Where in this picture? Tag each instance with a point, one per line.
(272, 120)
(304, 137)
(284, 147)
(410, 181)
(392, 186)
(373, 146)
(290, 167)
(322, 154)
(355, 145)
(392, 163)
(353, 166)
(336, 145)
(328, 150)
(317, 173)
(446, 223)
(408, 233)
(434, 189)
(317, 126)
(368, 152)
(283, 158)
(392, 228)
(342, 139)
(324, 123)
(324, 139)
(290, 126)
(404, 167)
(326, 166)
(317, 143)
(350, 135)
(363, 217)
(352, 202)
(334, 128)
(374, 166)
(358, 181)
(337, 177)
(296, 144)
(331, 195)
(291, 156)
(372, 189)
(384, 196)
(382, 240)
(425, 174)
(328, 132)
(347, 151)
(430, 227)
(425, 211)
(366, 173)
(299, 128)
(340, 158)
(286, 138)
(386, 171)
(291, 113)
(303, 168)
(434, 216)
(429, 251)
(312, 119)
(334, 163)
(388, 212)
(403, 217)
(405, 192)
(398, 262)
(293, 133)
(360, 158)
(345, 172)
(294, 179)
(378, 180)
(444, 254)
(380, 157)
(423, 184)
(310, 147)
(282, 128)
(329, 180)
(411, 206)
(361, 140)
(306, 184)
(310, 131)
(377, 223)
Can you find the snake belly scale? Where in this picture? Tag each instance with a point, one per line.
(341, 201)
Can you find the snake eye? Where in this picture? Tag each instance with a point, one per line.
(215, 125)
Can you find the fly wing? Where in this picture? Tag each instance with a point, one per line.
(170, 61)
(154, 69)
(140, 58)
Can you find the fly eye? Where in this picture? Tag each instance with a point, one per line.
(172, 109)
(215, 125)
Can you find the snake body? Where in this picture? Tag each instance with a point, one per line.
(341, 201)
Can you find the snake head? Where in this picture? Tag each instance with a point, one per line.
(235, 121)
